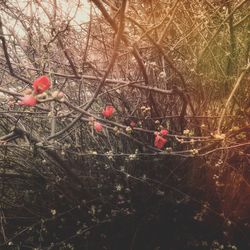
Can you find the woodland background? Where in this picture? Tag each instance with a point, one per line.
(181, 65)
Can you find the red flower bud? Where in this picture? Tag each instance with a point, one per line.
(160, 141)
(108, 111)
(98, 126)
(41, 84)
(132, 124)
(164, 132)
(28, 100)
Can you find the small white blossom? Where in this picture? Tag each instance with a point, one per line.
(118, 187)
(162, 74)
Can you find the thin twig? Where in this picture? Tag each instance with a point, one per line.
(237, 84)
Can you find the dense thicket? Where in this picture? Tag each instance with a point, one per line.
(176, 66)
